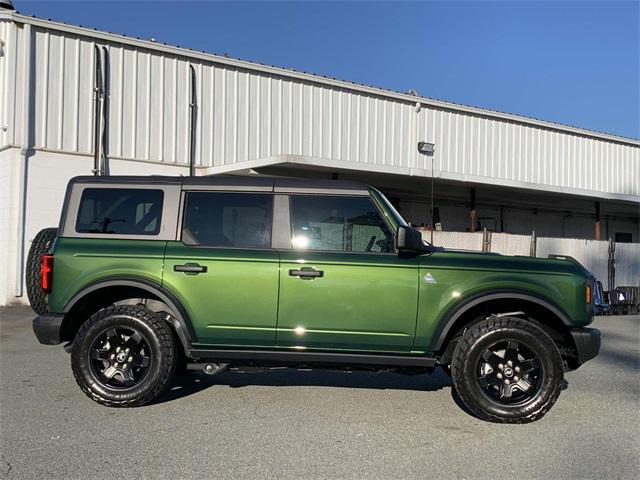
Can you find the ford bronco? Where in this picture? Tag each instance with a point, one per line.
(145, 275)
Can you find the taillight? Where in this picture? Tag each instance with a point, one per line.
(588, 294)
(46, 273)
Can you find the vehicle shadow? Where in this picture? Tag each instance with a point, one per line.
(192, 383)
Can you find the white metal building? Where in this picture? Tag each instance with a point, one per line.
(515, 173)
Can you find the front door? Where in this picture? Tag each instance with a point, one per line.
(342, 285)
(223, 270)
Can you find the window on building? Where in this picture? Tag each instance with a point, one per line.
(120, 211)
(236, 220)
(339, 223)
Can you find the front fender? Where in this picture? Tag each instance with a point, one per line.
(441, 304)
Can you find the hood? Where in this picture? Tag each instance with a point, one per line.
(495, 261)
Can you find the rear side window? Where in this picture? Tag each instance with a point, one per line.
(120, 211)
(235, 220)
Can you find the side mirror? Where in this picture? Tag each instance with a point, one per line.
(410, 240)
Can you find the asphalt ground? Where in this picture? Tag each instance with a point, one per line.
(319, 424)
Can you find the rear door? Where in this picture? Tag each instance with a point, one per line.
(223, 268)
(342, 284)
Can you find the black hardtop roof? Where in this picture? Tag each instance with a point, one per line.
(230, 180)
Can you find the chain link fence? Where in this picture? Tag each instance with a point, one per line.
(508, 244)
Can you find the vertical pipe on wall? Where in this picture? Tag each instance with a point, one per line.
(98, 99)
(104, 137)
(25, 153)
(598, 226)
(193, 110)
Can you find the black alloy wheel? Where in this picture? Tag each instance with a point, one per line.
(510, 373)
(507, 370)
(120, 358)
(124, 356)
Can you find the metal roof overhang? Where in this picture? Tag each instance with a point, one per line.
(329, 165)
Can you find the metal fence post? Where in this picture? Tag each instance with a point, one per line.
(611, 265)
(532, 247)
(486, 240)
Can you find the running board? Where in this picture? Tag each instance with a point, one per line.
(298, 357)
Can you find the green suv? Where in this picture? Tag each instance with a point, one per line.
(146, 275)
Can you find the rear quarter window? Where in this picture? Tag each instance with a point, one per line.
(120, 211)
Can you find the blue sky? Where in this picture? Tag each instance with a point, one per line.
(573, 62)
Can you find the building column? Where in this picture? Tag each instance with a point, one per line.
(598, 231)
(473, 213)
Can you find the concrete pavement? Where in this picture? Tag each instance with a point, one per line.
(320, 424)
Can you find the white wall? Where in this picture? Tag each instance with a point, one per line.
(8, 222)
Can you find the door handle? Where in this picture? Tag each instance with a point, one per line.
(306, 273)
(190, 268)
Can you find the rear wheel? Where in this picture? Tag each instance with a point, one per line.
(124, 356)
(507, 370)
(41, 244)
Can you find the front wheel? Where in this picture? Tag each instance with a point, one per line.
(507, 370)
(124, 356)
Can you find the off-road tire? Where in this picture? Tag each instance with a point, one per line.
(476, 340)
(41, 244)
(156, 332)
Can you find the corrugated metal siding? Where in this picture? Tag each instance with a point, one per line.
(248, 115)
(627, 257)
(593, 254)
(11, 48)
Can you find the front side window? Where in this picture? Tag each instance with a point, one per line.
(338, 223)
(235, 220)
(120, 211)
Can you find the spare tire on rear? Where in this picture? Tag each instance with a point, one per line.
(41, 244)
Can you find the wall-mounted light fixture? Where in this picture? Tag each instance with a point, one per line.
(426, 148)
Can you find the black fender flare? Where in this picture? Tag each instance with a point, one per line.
(445, 324)
(179, 318)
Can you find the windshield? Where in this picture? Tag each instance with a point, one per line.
(390, 212)
(388, 209)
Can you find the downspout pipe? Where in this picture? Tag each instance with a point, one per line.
(98, 105)
(193, 116)
(104, 137)
(25, 153)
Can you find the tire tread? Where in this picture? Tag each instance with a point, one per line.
(41, 244)
(167, 346)
(463, 347)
